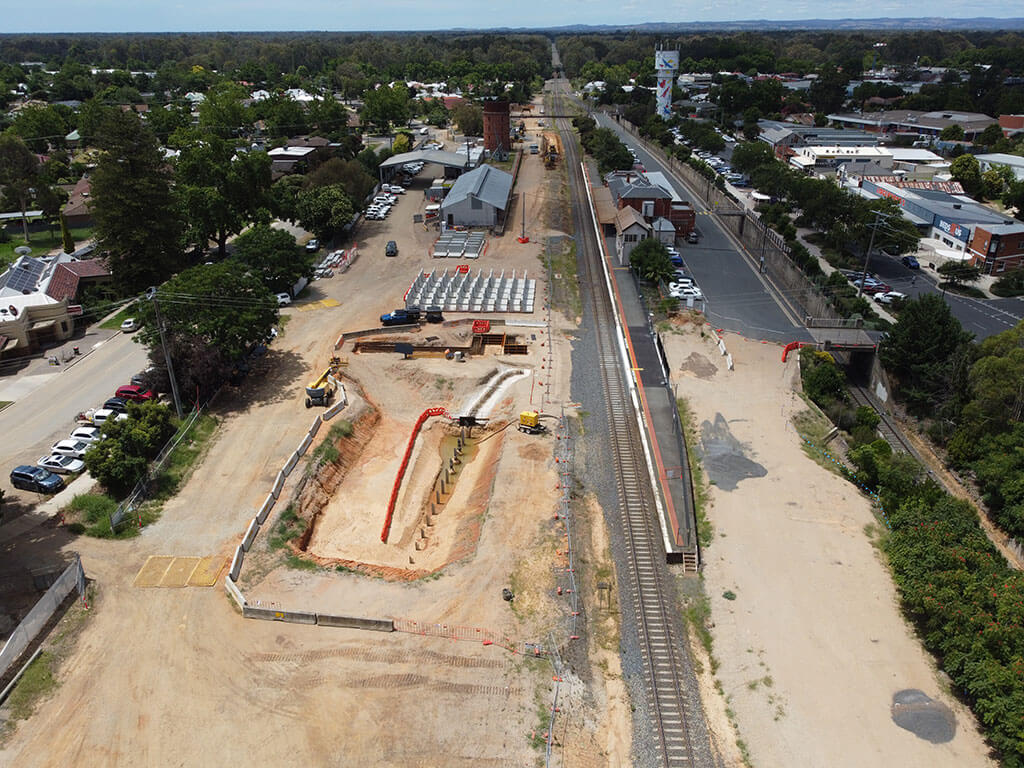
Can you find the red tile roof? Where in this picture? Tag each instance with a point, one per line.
(64, 283)
(78, 200)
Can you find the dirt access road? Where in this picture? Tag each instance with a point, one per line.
(175, 676)
(813, 646)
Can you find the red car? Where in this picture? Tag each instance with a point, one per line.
(134, 392)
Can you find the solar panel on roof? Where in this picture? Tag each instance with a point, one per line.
(25, 274)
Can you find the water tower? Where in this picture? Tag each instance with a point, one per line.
(665, 64)
(497, 128)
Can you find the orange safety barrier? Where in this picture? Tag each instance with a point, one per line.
(481, 326)
(462, 269)
(790, 347)
(405, 465)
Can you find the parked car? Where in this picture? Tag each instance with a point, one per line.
(283, 299)
(690, 292)
(103, 415)
(401, 316)
(87, 434)
(134, 392)
(62, 465)
(692, 238)
(313, 246)
(910, 262)
(74, 448)
(118, 404)
(391, 249)
(889, 297)
(37, 479)
(129, 325)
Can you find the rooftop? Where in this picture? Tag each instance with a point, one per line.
(485, 183)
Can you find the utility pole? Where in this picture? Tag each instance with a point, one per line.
(867, 256)
(167, 355)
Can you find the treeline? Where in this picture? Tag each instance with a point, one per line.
(349, 63)
(965, 601)
(594, 57)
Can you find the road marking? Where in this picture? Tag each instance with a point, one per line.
(322, 304)
(166, 571)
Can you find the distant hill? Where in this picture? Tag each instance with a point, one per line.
(978, 23)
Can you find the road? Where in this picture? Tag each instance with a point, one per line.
(739, 299)
(47, 413)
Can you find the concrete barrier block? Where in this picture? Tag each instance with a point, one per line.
(290, 464)
(278, 484)
(236, 594)
(721, 346)
(315, 427)
(728, 361)
(337, 408)
(354, 622)
(268, 504)
(236, 563)
(304, 445)
(293, 617)
(250, 534)
(342, 396)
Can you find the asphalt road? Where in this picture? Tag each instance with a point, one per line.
(983, 318)
(738, 298)
(47, 413)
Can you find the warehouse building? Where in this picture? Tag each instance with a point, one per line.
(478, 198)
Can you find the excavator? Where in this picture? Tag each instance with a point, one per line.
(322, 390)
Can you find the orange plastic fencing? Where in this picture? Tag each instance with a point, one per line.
(405, 465)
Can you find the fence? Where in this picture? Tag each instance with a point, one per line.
(141, 490)
(73, 577)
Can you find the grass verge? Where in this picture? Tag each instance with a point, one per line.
(705, 530)
(327, 451)
(114, 323)
(37, 683)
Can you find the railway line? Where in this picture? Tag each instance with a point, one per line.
(661, 643)
(889, 433)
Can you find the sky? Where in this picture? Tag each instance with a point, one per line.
(388, 15)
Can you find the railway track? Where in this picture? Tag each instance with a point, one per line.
(889, 433)
(652, 596)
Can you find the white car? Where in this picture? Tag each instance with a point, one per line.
(395, 189)
(103, 415)
(283, 299)
(62, 465)
(129, 325)
(74, 448)
(86, 434)
(889, 297)
(690, 292)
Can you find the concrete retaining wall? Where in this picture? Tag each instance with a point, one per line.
(353, 622)
(293, 617)
(250, 534)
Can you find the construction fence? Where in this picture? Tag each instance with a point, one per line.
(73, 577)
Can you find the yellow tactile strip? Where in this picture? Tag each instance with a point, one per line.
(165, 571)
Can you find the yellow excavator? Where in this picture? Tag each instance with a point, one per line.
(322, 390)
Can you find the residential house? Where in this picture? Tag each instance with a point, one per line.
(631, 229)
(77, 212)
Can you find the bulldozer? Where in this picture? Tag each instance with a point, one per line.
(322, 390)
(529, 422)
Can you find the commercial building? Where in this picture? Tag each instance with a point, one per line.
(631, 229)
(997, 248)
(653, 197)
(1014, 162)
(914, 122)
(478, 198)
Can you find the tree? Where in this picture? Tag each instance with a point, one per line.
(952, 133)
(967, 171)
(958, 272)
(137, 222)
(284, 195)
(922, 352)
(220, 190)
(229, 309)
(385, 105)
(351, 174)
(114, 465)
(751, 155)
(651, 261)
(324, 211)
(402, 143)
(990, 135)
(273, 255)
(469, 118)
(18, 170)
(67, 240)
(221, 112)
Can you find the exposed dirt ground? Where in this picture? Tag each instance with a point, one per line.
(175, 676)
(812, 645)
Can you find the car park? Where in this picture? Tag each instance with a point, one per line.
(86, 434)
(62, 465)
(134, 392)
(74, 448)
(37, 479)
(129, 325)
(910, 262)
(283, 299)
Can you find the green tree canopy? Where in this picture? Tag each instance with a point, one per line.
(325, 210)
(18, 170)
(967, 171)
(651, 261)
(273, 255)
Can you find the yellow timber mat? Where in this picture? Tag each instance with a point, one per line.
(164, 571)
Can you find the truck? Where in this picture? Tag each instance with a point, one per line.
(401, 316)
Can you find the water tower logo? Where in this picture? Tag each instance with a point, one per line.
(665, 63)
